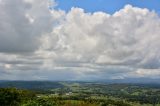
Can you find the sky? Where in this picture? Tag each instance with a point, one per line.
(85, 40)
(108, 6)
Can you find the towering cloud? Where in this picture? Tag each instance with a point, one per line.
(39, 42)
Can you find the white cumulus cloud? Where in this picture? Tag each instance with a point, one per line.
(42, 43)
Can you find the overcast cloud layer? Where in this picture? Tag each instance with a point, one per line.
(40, 43)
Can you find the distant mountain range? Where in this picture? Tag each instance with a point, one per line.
(134, 80)
(58, 84)
(31, 84)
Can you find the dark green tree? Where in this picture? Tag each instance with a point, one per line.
(14, 97)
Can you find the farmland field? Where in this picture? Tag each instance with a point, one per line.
(48, 93)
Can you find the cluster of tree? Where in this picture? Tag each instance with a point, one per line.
(17, 97)
(86, 95)
(110, 102)
(40, 102)
(14, 97)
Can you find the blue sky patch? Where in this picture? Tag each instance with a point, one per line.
(108, 6)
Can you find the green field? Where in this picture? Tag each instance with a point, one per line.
(79, 94)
